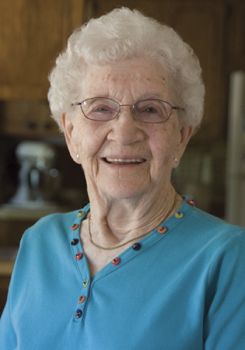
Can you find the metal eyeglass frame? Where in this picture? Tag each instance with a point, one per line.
(127, 105)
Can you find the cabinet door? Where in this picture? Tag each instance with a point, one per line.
(27, 118)
(201, 24)
(32, 33)
(236, 35)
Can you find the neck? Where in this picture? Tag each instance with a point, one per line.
(125, 220)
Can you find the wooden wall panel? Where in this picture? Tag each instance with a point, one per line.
(32, 33)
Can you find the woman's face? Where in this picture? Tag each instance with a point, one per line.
(124, 158)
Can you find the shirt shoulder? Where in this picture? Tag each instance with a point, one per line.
(53, 226)
(199, 232)
(203, 223)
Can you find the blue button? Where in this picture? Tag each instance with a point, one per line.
(78, 313)
(136, 246)
(74, 241)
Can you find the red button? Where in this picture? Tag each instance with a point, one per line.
(74, 227)
(82, 299)
(191, 202)
(79, 256)
(162, 229)
(116, 261)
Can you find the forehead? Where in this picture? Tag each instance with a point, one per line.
(135, 76)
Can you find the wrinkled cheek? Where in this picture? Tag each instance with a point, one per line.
(90, 166)
(161, 168)
(85, 160)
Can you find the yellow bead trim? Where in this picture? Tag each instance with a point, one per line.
(179, 215)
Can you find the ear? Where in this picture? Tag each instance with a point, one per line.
(185, 135)
(68, 130)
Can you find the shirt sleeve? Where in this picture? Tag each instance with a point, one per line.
(7, 333)
(225, 322)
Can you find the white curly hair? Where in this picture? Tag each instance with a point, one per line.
(124, 34)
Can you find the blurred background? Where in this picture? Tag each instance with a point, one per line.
(38, 177)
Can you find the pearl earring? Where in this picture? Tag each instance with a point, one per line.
(176, 162)
(77, 156)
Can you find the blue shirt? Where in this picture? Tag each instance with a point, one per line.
(181, 288)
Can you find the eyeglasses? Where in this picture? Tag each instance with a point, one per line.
(103, 109)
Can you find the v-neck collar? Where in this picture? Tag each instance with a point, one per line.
(165, 228)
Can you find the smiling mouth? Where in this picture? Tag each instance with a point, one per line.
(124, 161)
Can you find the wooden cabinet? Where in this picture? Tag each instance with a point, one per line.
(201, 24)
(32, 33)
(27, 118)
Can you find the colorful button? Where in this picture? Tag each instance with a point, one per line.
(191, 202)
(78, 313)
(85, 284)
(79, 256)
(74, 241)
(82, 299)
(74, 227)
(162, 229)
(81, 214)
(136, 246)
(116, 261)
(179, 215)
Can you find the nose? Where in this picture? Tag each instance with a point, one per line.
(125, 129)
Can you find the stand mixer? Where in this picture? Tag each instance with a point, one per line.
(38, 179)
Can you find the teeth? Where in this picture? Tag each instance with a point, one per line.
(120, 160)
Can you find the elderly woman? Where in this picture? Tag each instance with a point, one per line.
(139, 267)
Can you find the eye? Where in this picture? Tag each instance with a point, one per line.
(100, 109)
(150, 109)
